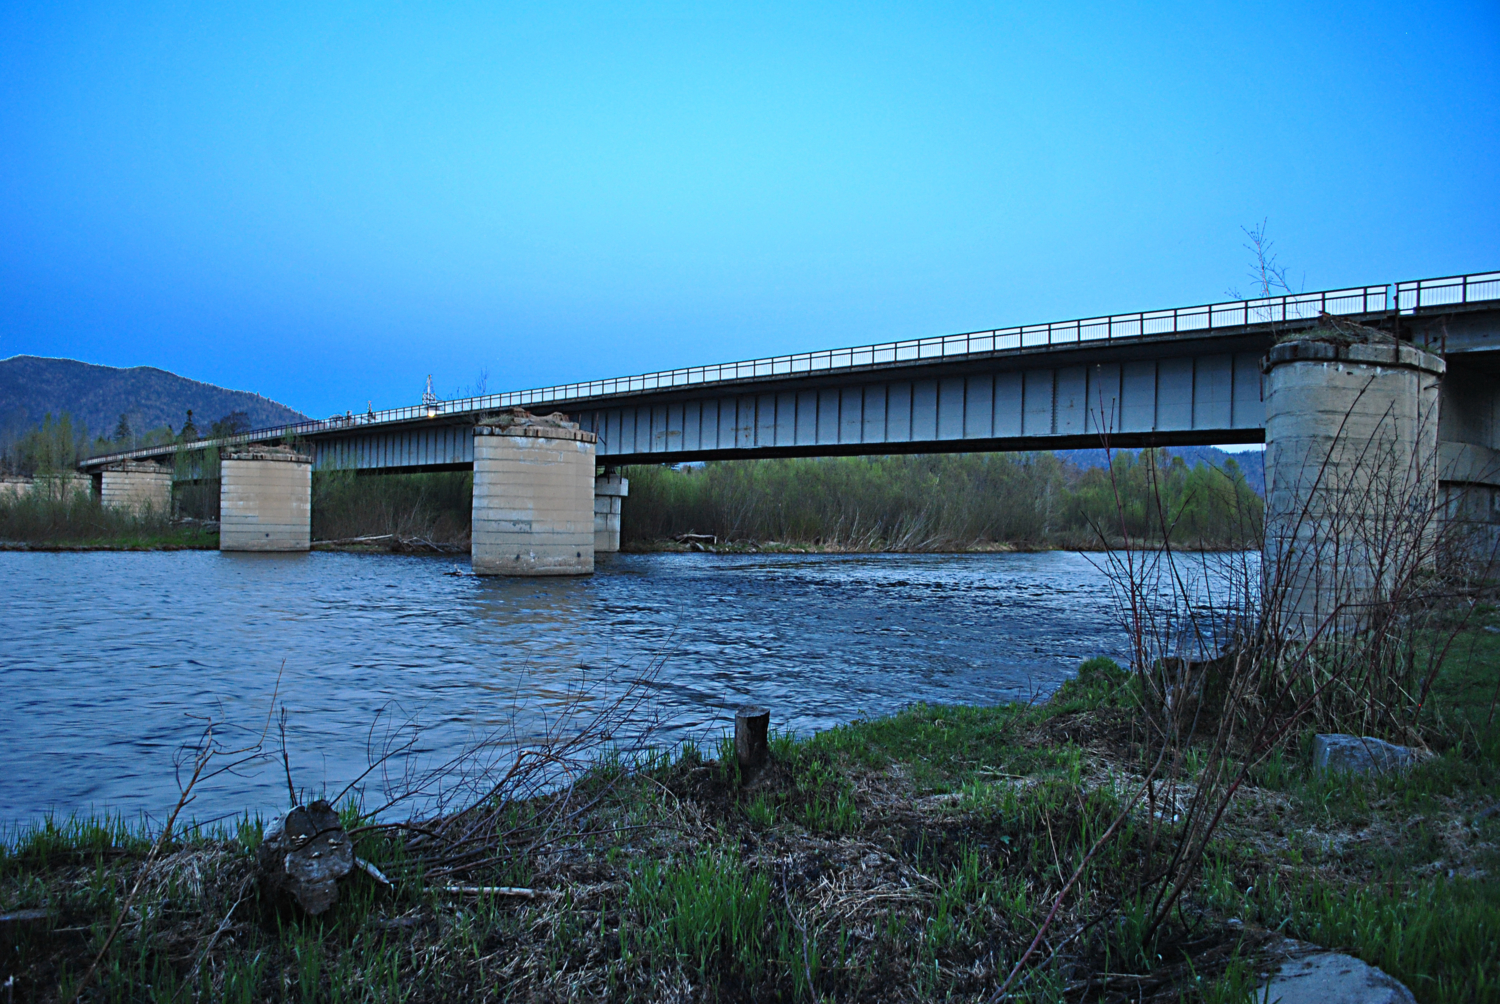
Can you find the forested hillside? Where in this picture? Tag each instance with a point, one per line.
(32, 387)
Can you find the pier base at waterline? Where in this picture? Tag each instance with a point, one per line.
(265, 500)
(533, 497)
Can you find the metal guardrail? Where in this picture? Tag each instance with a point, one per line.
(1405, 297)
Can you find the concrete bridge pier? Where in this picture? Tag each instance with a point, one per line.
(533, 496)
(610, 490)
(1352, 501)
(139, 487)
(1469, 464)
(265, 500)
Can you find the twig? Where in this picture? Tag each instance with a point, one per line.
(1058, 902)
(286, 763)
(205, 753)
(223, 926)
(370, 870)
(806, 957)
(491, 890)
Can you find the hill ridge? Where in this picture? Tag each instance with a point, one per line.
(95, 395)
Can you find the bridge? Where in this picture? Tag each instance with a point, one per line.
(1178, 376)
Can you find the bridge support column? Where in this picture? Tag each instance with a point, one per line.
(1469, 465)
(609, 494)
(1351, 478)
(265, 500)
(137, 487)
(533, 497)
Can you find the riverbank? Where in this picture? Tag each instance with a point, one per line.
(209, 541)
(911, 857)
(172, 539)
(707, 545)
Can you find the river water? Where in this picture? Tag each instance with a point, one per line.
(110, 662)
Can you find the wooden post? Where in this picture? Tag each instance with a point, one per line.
(751, 723)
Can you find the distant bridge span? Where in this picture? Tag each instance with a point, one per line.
(1188, 375)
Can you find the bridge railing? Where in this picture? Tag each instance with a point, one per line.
(1403, 296)
(1448, 290)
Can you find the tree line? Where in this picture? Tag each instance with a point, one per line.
(940, 501)
(58, 443)
(915, 502)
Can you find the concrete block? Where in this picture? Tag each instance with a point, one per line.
(265, 501)
(533, 498)
(609, 491)
(1361, 754)
(137, 487)
(57, 484)
(15, 486)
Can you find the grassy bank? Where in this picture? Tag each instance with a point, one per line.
(907, 858)
(75, 520)
(943, 502)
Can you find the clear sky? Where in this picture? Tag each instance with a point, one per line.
(326, 203)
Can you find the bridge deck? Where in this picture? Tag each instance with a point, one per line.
(1181, 375)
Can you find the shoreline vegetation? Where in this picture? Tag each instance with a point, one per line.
(904, 858)
(942, 503)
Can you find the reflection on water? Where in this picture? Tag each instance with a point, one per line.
(110, 661)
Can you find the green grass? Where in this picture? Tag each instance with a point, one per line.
(907, 857)
(78, 520)
(1396, 869)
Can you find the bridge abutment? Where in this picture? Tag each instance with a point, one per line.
(1352, 500)
(533, 497)
(137, 487)
(265, 501)
(610, 491)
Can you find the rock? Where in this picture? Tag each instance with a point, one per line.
(1361, 754)
(305, 854)
(1331, 978)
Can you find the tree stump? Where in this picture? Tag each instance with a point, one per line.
(305, 854)
(751, 724)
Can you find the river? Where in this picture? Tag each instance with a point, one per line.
(112, 661)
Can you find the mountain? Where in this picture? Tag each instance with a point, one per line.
(32, 387)
(1251, 462)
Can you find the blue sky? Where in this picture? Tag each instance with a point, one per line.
(326, 203)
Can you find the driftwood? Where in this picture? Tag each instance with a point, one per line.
(396, 542)
(371, 539)
(305, 854)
